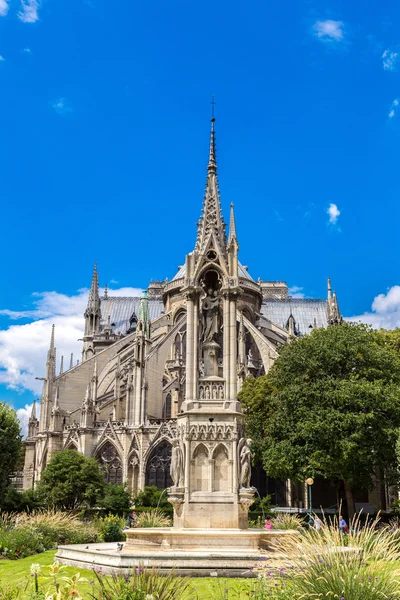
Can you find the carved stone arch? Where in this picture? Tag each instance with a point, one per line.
(110, 461)
(179, 313)
(71, 445)
(221, 470)
(210, 267)
(158, 464)
(200, 469)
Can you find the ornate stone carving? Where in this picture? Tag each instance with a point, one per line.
(177, 463)
(211, 431)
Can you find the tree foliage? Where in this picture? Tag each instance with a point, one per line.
(10, 444)
(329, 407)
(71, 480)
(116, 498)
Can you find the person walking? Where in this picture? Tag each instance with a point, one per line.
(343, 528)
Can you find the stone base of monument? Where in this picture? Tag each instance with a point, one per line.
(194, 552)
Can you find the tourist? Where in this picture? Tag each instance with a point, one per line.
(131, 520)
(317, 523)
(268, 524)
(342, 525)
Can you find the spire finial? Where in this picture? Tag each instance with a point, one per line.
(329, 288)
(106, 292)
(71, 362)
(62, 365)
(33, 412)
(52, 337)
(232, 224)
(212, 160)
(213, 103)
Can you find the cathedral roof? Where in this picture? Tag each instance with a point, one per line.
(241, 271)
(121, 308)
(304, 311)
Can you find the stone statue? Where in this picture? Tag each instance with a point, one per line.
(177, 465)
(244, 463)
(210, 316)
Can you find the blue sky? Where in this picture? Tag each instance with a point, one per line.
(104, 120)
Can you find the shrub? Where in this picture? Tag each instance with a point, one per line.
(110, 528)
(142, 585)
(152, 496)
(116, 498)
(323, 567)
(26, 534)
(154, 517)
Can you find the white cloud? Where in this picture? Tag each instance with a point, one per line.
(27, 51)
(23, 347)
(23, 415)
(296, 292)
(393, 108)
(29, 11)
(389, 60)
(2, 59)
(333, 213)
(61, 107)
(3, 8)
(329, 31)
(385, 310)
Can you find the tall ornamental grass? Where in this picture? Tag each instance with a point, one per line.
(326, 564)
(154, 517)
(142, 584)
(26, 534)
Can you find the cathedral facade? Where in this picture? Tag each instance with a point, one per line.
(184, 344)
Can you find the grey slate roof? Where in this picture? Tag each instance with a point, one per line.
(121, 308)
(304, 310)
(241, 270)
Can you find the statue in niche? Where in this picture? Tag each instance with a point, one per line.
(177, 466)
(244, 462)
(210, 316)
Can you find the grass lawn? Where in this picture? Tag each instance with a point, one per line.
(207, 588)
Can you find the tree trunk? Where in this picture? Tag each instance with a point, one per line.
(349, 500)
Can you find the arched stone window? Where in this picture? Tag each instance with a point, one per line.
(158, 466)
(221, 470)
(110, 462)
(168, 407)
(200, 470)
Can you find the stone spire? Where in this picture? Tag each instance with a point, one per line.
(92, 316)
(105, 295)
(232, 225)
(71, 362)
(144, 319)
(47, 395)
(334, 316)
(211, 221)
(33, 422)
(62, 365)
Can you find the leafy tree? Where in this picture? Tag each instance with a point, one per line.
(116, 498)
(71, 480)
(10, 444)
(329, 407)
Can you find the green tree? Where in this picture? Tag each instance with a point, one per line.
(116, 498)
(329, 407)
(71, 480)
(10, 444)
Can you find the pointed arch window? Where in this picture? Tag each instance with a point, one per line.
(158, 466)
(111, 463)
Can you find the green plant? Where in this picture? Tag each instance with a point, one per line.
(286, 521)
(71, 480)
(110, 528)
(10, 446)
(142, 584)
(154, 517)
(116, 498)
(152, 496)
(11, 591)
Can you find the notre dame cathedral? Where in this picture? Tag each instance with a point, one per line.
(192, 339)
